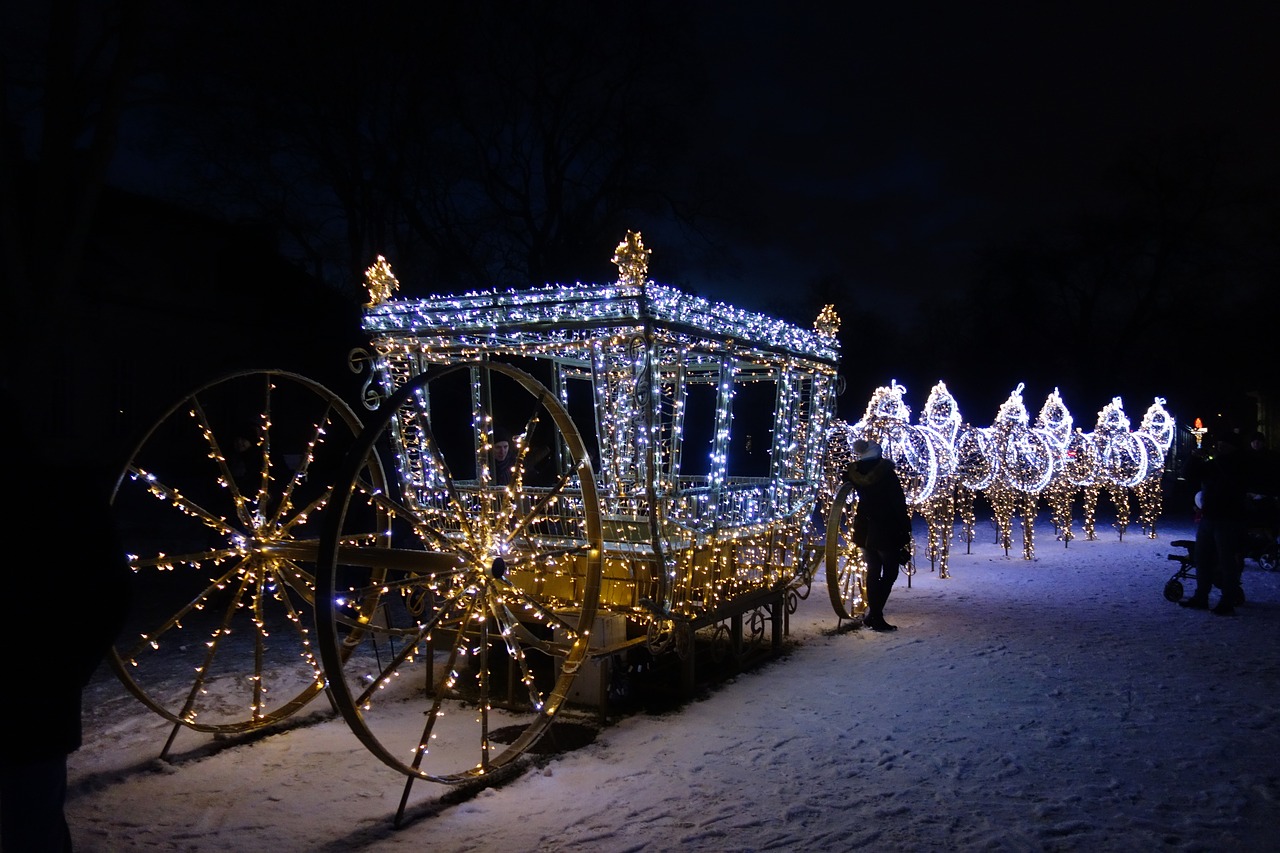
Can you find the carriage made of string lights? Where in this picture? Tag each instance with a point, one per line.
(666, 482)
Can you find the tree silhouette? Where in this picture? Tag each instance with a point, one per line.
(68, 71)
(473, 144)
(1163, 284)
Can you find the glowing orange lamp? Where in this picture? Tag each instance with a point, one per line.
(1199, 432)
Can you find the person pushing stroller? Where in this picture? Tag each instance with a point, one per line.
(1223, 502)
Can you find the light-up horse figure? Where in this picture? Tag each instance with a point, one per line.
(1123, 463)
(1055, 423)
(940, 423)
(1078, 470)
(1156, 434)
(1024, 463)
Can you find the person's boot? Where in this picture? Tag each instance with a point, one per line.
(875, 604)
(872, 601)
(886, 587)
(875, 621)
(875, 615)
(1196, 602)
(1226, 605)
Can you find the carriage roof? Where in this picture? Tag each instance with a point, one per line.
(562, 314)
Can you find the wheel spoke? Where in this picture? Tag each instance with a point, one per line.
(462, 518)
(296, 618)
(440, 689)
(181, 502)
(316, 436)
(215, 452)
(302, 516)
(387, 672)
(169, 561)
(152, 638)
(511, 640)
(520, 525)
(397, 509)
(535, 606)
(223, 630)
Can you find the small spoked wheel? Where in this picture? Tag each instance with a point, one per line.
(845, 568)
(219, 508)
(1173, 590)
(490, 588)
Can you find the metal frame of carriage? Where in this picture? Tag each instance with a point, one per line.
(682, 444)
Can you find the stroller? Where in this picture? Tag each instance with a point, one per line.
(1173, 588)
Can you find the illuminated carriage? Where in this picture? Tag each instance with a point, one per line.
(667, 468)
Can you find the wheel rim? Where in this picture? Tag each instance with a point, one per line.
(223, 542)
(483, 639)
(846, 572)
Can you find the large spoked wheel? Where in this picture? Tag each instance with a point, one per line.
(846, 571)
(491, 589)
(219, 508)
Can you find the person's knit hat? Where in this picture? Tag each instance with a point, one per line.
(864, 449)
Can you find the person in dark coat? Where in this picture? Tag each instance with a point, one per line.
(504, 456)
(881, 526)
(67, 595)
(506, 453)
(1220, 533)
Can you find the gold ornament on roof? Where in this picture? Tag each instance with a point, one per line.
(632, 259)
(380, 281)
(828, 323)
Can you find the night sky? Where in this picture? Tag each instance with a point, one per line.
(887, 141)
(889, 146)
(876, 155)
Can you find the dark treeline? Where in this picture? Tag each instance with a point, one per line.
(481, 145)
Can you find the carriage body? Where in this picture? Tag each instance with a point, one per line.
(705, 426)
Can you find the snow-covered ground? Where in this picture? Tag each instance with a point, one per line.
(1060, 703)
